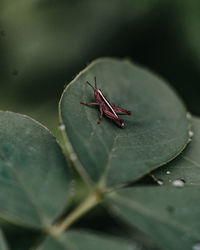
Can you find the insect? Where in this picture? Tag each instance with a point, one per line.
(107, 108)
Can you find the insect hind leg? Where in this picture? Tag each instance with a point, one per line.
(115, 119)
(101, 110)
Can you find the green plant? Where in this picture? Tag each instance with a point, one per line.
(110, 167)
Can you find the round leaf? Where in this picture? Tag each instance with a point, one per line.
(34, 176)
(84, 240)
(155, 133)
(186, 167)
(170, 215)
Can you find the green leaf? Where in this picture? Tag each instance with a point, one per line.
(81, 240)
(186, 167)
(189, 20)
(21, 238)
(154, 134)
(34, 176)
(38, 53)
(170, 215)
(3, 243)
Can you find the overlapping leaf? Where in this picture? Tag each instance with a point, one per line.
(155, 133)
(186, 167)
(85, 240)
(170, 215)
(34, 176)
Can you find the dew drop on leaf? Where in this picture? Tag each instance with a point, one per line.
(73, 156)
(191, 133)
(62, 127)
(160, 182)
(188, 116)
(178, 183)
(196, 246)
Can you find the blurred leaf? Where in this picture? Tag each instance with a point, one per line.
(45, 40)
(186, 167)
(155, 133)
(21, 238)
(170, 215)
(3, 243)
(33, 172)
(189, 11)
(81, 240)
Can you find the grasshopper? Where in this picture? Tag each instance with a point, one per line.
(107, 108)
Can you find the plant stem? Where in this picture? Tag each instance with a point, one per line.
(90, 202)
(72, 157)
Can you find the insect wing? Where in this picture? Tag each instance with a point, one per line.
(107, 103)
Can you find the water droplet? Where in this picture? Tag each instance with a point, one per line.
(191, 133)
(168, 172)
(196, 246)
(92, 133)
(73, 156)
(189, 140)
(178, 183)
(160, 182)
(62, 127)
(188, 115)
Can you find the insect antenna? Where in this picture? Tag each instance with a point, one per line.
(90, 85)
(95, 82)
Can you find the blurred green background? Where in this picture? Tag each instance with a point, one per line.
(45, 43)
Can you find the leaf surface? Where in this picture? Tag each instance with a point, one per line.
(81, 240)
(34, 176)
(186, 167)
(155, 133)
(170, 215)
